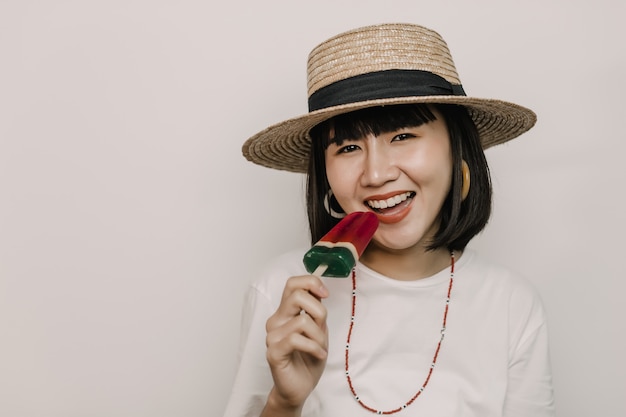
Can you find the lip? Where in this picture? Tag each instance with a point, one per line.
(395, 214)
(386, 195)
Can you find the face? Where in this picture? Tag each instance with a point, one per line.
(403, 176)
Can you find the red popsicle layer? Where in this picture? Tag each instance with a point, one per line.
(335, 254)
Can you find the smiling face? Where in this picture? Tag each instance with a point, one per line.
(403, 176)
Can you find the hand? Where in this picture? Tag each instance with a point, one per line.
(297, 341)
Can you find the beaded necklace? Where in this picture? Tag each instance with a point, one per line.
(432, 366)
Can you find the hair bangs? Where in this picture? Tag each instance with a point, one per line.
(372, 120)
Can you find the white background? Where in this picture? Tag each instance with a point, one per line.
(130, 223)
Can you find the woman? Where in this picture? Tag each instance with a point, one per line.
(424, 326)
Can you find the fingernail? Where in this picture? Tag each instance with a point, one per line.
(324, 291)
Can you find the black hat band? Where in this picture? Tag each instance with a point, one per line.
(381, 85)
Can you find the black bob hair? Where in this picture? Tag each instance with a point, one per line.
(460, 220)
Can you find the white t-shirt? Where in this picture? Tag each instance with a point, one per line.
(493, 360)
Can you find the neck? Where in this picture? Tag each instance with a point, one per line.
(406, 264)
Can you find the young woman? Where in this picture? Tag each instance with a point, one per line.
(424, 326)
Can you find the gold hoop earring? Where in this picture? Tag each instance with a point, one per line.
(465, 172)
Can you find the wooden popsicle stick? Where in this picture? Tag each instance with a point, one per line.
(321, 268)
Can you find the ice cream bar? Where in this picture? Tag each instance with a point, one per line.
(335, 254)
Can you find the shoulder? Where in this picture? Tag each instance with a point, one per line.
(273, 275)
(501, 298)
(495, 281)
(490, 273)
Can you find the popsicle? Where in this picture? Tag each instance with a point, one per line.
(335, 254)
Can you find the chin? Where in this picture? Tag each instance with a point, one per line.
(398, 245)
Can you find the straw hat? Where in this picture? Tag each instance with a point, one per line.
(380, 65)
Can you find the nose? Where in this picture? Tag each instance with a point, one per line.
(379, 166)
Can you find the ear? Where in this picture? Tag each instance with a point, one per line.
(465, 171)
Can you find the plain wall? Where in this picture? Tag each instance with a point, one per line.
(130, 224)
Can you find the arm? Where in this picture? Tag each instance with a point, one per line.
(529, 388)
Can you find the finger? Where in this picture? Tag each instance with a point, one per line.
(309, 283)
(296, 344)
(282, 349)
(298, 302)
(301, 293)
(303, 325)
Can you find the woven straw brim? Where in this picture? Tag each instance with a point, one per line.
(286, 145)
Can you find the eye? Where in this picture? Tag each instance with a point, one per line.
(348, 148)
(403, 136)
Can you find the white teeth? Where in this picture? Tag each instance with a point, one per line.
(390, 202)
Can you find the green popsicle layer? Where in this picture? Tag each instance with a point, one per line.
(340, 260)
